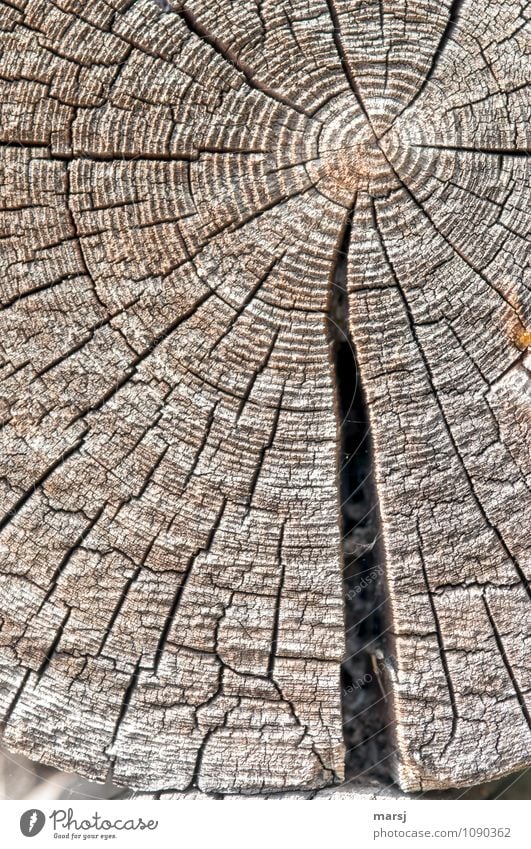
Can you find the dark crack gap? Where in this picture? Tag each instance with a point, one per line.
(365, 708)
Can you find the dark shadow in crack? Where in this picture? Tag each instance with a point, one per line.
(364, 701)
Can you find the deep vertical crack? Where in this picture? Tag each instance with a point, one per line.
(364, 703)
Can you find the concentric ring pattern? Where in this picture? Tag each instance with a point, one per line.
(176, 181)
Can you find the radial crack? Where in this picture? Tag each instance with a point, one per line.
(365, 719)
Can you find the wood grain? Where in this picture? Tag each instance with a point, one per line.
(177, 180)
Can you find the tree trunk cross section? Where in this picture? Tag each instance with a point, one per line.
(177, 179)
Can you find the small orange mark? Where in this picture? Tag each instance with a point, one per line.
(522, 337)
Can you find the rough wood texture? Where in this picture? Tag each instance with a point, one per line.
(177, 180)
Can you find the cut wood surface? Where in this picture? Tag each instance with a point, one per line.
(180, 183)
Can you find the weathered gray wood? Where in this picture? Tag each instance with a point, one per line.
(177, 180)
(440, 312)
